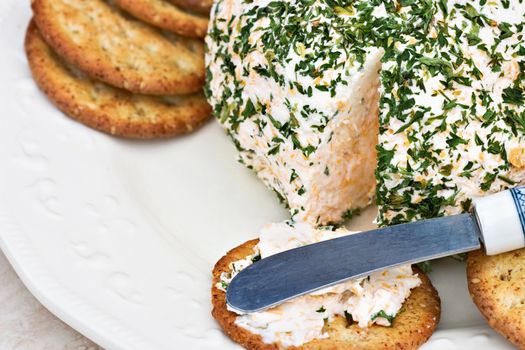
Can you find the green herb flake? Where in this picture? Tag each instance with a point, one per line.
(383, 314)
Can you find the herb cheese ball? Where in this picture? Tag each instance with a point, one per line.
(309, 91)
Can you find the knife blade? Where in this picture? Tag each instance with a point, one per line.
(302, 270)
(305, 269)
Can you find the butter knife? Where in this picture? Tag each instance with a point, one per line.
(497, 223)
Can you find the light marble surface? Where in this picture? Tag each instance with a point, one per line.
(26, 325)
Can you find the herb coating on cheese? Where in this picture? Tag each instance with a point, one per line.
(451, 109)
(287, 80)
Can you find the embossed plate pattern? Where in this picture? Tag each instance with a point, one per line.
(118, 238)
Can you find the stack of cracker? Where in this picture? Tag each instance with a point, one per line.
(130, 68)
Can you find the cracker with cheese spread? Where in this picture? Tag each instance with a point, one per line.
(395, 309)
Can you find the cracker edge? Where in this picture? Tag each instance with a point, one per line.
(480, 293)
(181, 22)
(202, 7)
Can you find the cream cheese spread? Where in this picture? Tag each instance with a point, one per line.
(372, 300)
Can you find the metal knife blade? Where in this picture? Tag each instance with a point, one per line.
(302, 270)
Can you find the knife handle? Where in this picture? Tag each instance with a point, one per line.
(501, 219)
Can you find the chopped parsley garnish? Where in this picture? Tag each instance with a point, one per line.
(383, 314)
(350, 213)
(425, 266)
(513, 95)
(349, 319)
(224, 285)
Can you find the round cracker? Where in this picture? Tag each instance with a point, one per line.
(167, 16)
(412, 327)
(109, 109)
(99, 40)
(497, 286)
(202, 7)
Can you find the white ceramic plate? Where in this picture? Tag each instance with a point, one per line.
(118, 238)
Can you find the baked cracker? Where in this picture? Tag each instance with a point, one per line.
(99, 40)
(412, 327)
(109, 109)
(202, 7)
(497, 286)
(165, 15)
